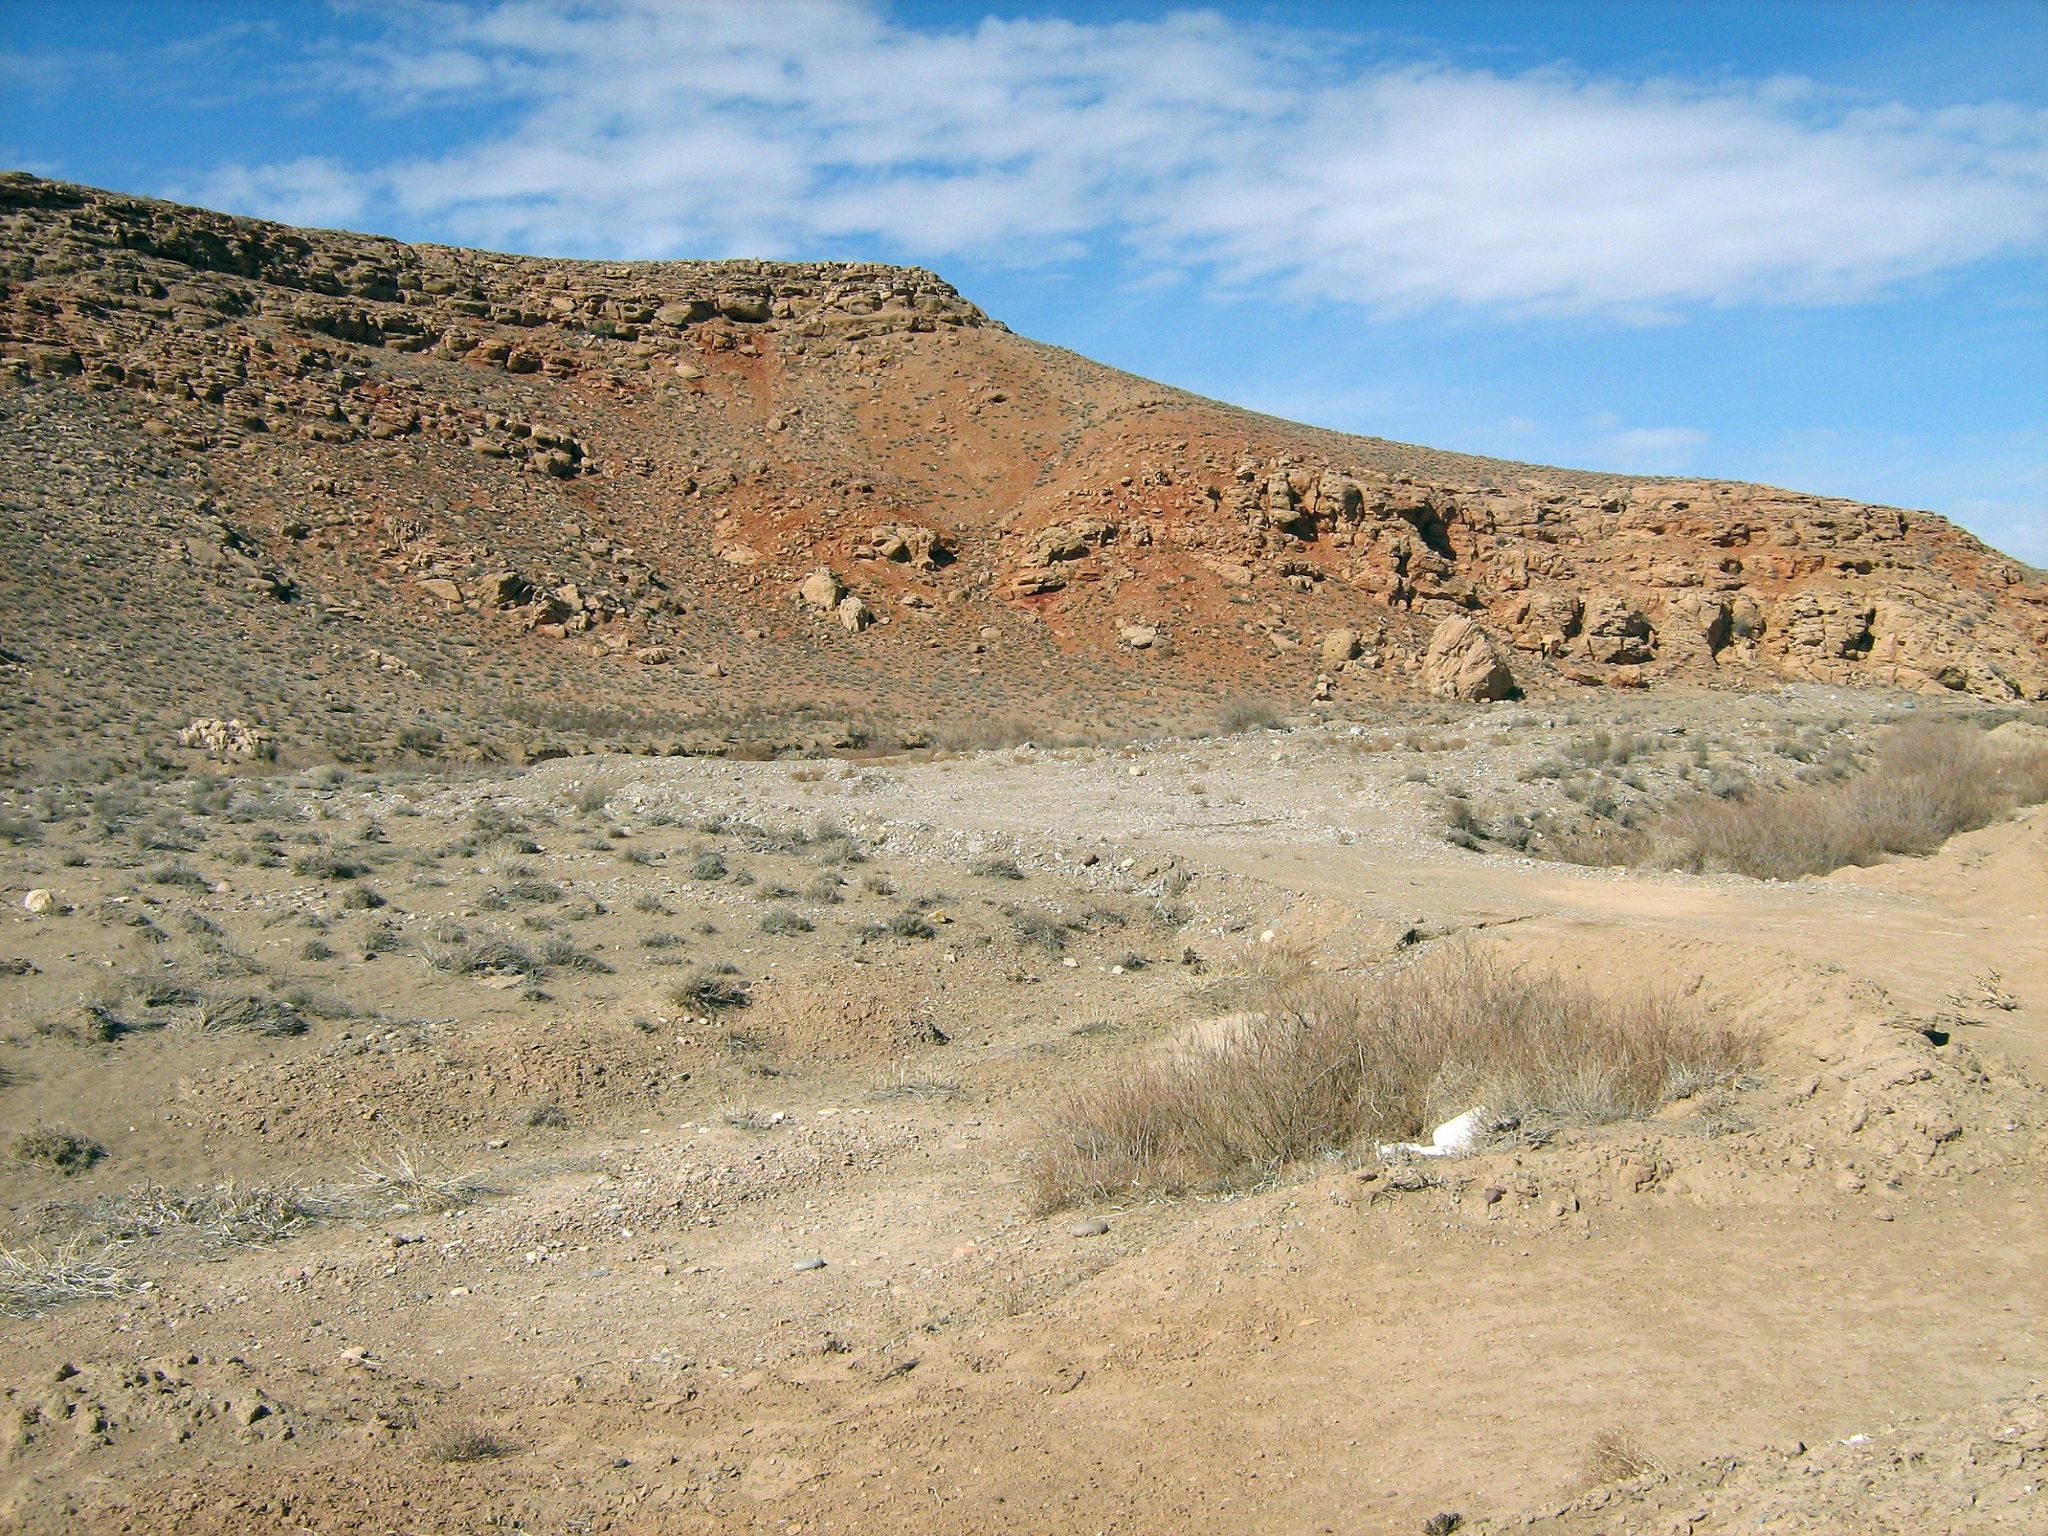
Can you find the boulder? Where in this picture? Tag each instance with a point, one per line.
(905, 543)
(444, 589)
(231, 738)
(1139, 637)
(1465, 662)
(1036, 583)
(822, 590)
(854, 615)
(1068, 541)
(505, 589)
(750, 308)
(1339, 646)
(1615, 631)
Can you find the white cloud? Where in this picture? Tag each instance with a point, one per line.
(1279, 161)
(1647, 450)
(309, 192)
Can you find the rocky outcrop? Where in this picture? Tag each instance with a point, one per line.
(905, 544)
(516, 468)
(229, 738)
(1464, 662)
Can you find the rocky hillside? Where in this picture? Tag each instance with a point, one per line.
(369, 498)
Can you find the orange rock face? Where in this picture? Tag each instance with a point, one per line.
(586, 460)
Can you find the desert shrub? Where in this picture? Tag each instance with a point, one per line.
(1926, 781)
(708, 865)
(33, 1280)
(459, 957)
(326, 864)
(589, 799)
(561, 955)
(20, 829)
(910, 923)
(1240, 715)
(709, 992)
(219, 1217)
(548, 1117)
(996, 869)
(781, 920)
(403, 1183)
(61, 1151)
(1037, 929)
(256, 1015)
(1327, 1066)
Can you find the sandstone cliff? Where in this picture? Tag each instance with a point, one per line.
(458, 491)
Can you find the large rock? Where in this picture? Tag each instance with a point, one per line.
(855, 615)
(906, 543)
(1617, 632)
(1465, 662)
(822, 590)
(1339, 646)
(230, 738)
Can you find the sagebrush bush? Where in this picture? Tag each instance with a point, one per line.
(1926, 781)
(1330, 1065)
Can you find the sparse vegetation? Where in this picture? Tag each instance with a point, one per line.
(59, 1150)
(709, 992)
(1925, 782)
(1325, 1067)
(458, 1444)
(403, 1182)
(34, 1280)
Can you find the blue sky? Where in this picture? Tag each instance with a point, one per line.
(1794, 243)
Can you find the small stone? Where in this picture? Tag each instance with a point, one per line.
(1094, 1227)
(39, 901)
(802, 1265)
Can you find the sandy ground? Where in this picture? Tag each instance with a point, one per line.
(1726, 1297)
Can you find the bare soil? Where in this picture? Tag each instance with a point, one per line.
(1808, 1300)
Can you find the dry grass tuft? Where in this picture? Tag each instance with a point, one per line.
(403, 1183)
(465, 1442)
(33, 1280)
(224, 1216)
(1618, 1457)
(61, 1151)
(1927, 781)
(1328, 1066)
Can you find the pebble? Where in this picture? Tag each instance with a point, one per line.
(805, 1264)
(1090, 1228)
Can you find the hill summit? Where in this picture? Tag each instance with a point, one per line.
(369, 498)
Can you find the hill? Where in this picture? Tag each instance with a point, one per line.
(376, 499)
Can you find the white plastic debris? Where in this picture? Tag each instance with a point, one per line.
(1447, 1140)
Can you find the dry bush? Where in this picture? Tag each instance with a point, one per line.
(52, 1147)
(405, 1183)
(224, 1216)
(1329, 1065)
(1236, 716)
(1927, 781)
(1618, 1457)
(33, 1280)
(465, 1442)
